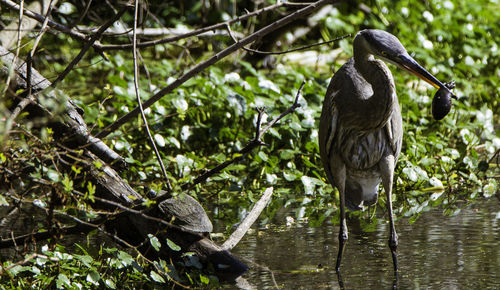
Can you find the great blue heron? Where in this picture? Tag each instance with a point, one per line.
(361, 130)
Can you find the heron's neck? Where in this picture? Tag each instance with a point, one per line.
(375, 74)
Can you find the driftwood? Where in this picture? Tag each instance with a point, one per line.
(130, 226)
(249, 220)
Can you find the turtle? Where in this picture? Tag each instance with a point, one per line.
(187, 213)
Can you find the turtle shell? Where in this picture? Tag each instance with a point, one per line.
(187, 213)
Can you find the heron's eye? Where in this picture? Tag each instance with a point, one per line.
(384, 53)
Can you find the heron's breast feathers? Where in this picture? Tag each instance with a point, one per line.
(362, 150)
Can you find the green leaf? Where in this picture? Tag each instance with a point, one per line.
(67, 183)
(173, 245)
(90, 191)
(110, 284)
(263, 156)
(125, 258)
(53, 175)
(156, 277)
(85, 259)
(204, 279)
(62, 281)
(154, 242)
(97, 164)
(16, 270)
(160, 141)
(289, 176)
(93, 277)
(3, 201)
(287, 154)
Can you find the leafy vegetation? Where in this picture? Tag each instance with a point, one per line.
(213, 115)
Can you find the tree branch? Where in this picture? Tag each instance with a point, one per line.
(236, 236)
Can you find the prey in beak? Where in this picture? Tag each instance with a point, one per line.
(406, 62)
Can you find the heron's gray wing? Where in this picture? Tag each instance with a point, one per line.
(339, 86)
(394, 130)
(327, 131)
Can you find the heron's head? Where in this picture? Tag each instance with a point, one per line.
(387, 47)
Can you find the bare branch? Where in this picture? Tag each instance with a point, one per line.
(214, 59)
(151, 32)
(298, 48)
(228, 27)
(236, 236)
(291, 109)
(136, 88)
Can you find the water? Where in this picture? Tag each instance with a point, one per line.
(436, 252)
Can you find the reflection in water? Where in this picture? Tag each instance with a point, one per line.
(436, 252)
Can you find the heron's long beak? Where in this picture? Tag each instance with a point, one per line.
(408, 63)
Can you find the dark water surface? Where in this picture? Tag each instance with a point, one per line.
(435, 252)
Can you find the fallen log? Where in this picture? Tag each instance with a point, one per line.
(133, 223)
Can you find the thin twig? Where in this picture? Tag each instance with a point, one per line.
(108, 216)
(298, 48)
(256, 141)
(136, 87)
(236, 236)
(87, 45)
(124, 209)
(84, 13)
(230, 32)
(291, 109)
(79, 221)
(212, 60)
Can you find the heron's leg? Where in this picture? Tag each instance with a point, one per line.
(387, 170)
(343, 235)
(339, 177)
